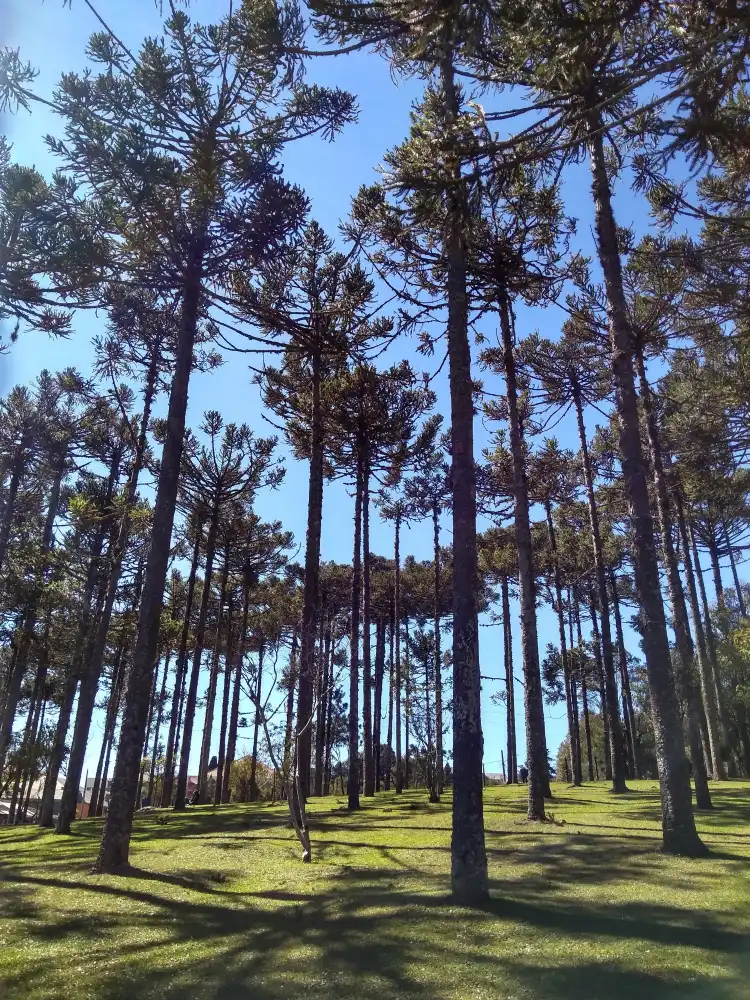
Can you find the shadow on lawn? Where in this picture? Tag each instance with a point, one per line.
(338, 945)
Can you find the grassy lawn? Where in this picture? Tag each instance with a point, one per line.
(220, 906)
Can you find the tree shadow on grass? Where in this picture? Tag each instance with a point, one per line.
(369, 936)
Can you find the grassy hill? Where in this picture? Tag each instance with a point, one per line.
(219, 905)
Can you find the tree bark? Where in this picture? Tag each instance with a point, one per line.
(256, 724)
(438, 654)
(179, 674)
(614, 743)
(380, 626)
(389, 741)
(369, 769)
(113, 704)
(596, 642)
(310, 600)
(320, 733)
(195, 669)
(468, 856)
(208, 722)
(627, 696)
(352, 784)
(708, 692)
(735, 575)
(683, 640)
(509, 684)
(575, 750)
(678, 823)
(397, 652)
(584, 690)
(536, 742)
(234, 716)
(157, 727)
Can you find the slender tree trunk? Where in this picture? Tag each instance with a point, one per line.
(438, 653)
(572, 733)
(234, 716)
(723, 717)
(708, 692)
(109, 723)
(115, 845)
(584, 694)
(536, 743)
(46, 813)
(312, 579)
(627, 696)
(684, 642)
(329, 729)
(32, 769)
(320, 732)
(378, 712)
(614, 743)
(208, 722)
(468, 856)
(509, 684)
(157, 727)
(397, 652)
(678, 823)
(596, 642)
(228, 662)
(713, 552)
(407, 702)
(179, 675)
(352, 785)
(288, 741)
(192, 693)
(256, 725)
(144, 751)
(368, 759)
(735, 575)
(29, 735)
(391, 685)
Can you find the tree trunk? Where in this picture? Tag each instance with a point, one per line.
(115, 845)
(378, 712)
(468, 856)
(389, 741)
(536, 743)
(678, 823)
(713, 660)
(627, 696)
(179, 674)
(713, 552)
(258, 711)
(228, 663)
(407, 701)
(310, 601)
(708, 692)
(157, 727)
(195, 669)
(509, 684)
(584, 690)
(234, 716)
(352, 784)
(144, 750)
(397, 652)
(293, 672)
(735, 575)
(614, 743)
(683, 640)
(325, 681)
(109, 724)
(596, 642)
(208, 722)
(575, 766)
(439, 763)
(368, 759)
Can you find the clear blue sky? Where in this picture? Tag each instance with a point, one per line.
(53, 39)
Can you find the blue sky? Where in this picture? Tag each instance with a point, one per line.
(53, 40)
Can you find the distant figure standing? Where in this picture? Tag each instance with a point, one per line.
(523, 774)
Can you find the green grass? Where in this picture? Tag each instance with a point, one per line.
(220, 906)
